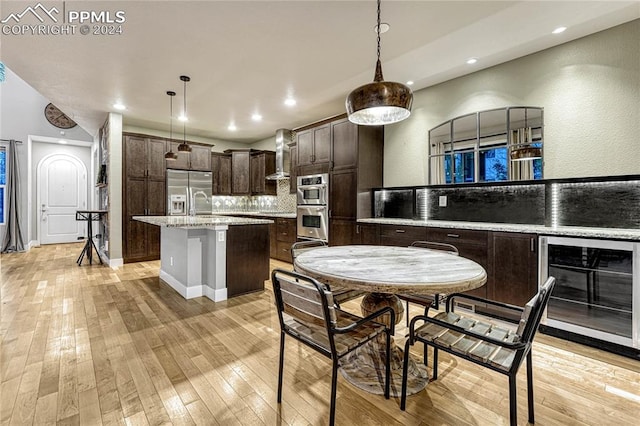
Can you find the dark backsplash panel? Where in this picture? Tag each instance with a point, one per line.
(498, 204)
(394, 203)
(598, 204)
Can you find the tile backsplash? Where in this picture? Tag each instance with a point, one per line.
(283, 202)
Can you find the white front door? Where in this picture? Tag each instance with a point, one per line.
(62, 189)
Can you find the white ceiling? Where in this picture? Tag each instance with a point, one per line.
(247, 56)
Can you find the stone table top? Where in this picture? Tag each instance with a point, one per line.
(385, 269)
(208, 221)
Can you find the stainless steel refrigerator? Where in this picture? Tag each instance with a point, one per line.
(188, 192)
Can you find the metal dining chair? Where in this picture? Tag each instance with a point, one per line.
(340, 294)
(475, 338)
(427, 300)
(307, 313)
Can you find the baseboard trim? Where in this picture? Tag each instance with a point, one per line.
(186, 292)
(217, 295)
(116, 263)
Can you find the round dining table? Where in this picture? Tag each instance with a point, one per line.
(383, 272)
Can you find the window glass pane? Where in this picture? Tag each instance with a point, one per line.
(448, 169)
(3, 167)
(1, 205)
(463, 167)
(493, 165)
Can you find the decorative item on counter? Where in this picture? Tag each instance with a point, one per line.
(170, 155)
(184, 146)
(381, 102)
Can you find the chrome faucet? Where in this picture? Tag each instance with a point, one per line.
(192, 201)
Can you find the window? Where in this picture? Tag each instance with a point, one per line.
(3, 182)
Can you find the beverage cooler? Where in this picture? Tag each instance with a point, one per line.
(597, 292)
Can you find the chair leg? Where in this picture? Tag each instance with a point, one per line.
(407, 310)
(334, 386)
(425, 355)
(435, 363)
(405, 371)
(280, 367)
(387, 378)
(513, 401)
(530, 387)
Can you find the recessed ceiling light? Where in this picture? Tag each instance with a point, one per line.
(256, 117)
(290, 102)
(472, 61)
(183, 118)
(62, 141)
(410, 83)
(232, 127)
(119, 106)
(559, 30)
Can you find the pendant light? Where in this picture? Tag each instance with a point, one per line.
(526, 151)
(184, 146)
(381, 102)
(170, 155)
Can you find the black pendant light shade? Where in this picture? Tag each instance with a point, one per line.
(184, 146)
(381, 102)
(170, 155)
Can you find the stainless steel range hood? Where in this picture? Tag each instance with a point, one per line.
(283, 137)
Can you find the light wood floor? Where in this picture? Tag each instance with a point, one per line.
(90, 345)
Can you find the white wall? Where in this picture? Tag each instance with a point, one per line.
(21, 115)
(589, 89)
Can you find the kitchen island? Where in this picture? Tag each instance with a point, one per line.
(213, 256)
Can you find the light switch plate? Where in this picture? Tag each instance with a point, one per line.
(221, 237)
(442, 201)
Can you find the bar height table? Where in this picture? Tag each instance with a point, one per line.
(89, 216)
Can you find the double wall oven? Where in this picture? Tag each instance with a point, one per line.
(313, 207)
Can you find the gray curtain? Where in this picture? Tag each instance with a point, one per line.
(13, 234)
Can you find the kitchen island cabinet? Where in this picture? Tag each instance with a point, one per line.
(216, 256)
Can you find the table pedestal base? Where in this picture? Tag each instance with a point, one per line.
(365, 367)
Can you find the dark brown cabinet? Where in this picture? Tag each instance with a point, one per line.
(471, 244)
(357, 153)
(513, 266)
(293, 168)
(402, 236)
(367, 234)
(198, 159)
(314, 145)
(221, 173)
(262, 164)
(143, 194)
(285, 236)
(240, 172)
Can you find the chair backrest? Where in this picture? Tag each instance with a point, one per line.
(432, 245)
(533, 310)
(302, 246)
(304, 300)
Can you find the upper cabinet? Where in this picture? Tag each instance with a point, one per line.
(293, 168)
(198, 159)
(249, 170)
(221, 171)
(144, 156)
(314, 145)
(487, 146)
(263, 163)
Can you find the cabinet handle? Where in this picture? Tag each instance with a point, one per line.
(453, 235)
(533, 244)
(357, 229)
(400, 231)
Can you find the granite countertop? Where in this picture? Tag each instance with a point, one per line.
(204, 221)
(288, 215)
(568, 231)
